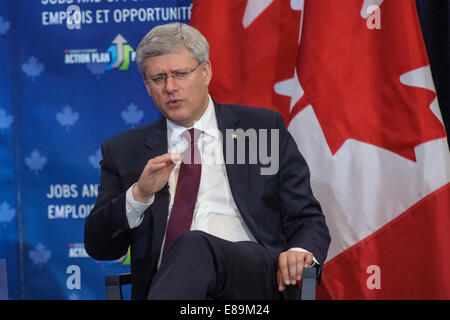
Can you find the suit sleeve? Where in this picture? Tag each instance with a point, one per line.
(107, 235)
(303, 221)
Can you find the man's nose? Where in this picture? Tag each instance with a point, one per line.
(171, 84)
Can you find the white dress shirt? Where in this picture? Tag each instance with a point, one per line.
(215, 211)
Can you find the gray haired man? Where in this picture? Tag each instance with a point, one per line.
(246, 235)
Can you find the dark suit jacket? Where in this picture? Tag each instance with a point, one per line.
(280, 210)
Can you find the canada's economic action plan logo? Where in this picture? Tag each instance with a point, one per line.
(118, 55)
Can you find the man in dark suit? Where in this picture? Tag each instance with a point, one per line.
(207, 212)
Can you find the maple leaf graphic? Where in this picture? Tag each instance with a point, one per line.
(94, 160)
(5, 120)
(97, 69)
(351, 76)
(132, 115)
(40, 255)
(35, 161)
(67, 117)
(4, 26)
(6, 213)
(32, 68)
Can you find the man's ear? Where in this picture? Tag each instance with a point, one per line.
(147, 86)
(207, 71)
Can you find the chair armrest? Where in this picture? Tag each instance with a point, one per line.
(309, 279)
(3, 280)
(113, 285)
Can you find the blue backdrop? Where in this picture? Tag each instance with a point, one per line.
(68, 81)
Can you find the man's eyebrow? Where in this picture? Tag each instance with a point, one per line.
(170, 71)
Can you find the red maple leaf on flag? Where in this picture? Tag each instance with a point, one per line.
(351, 76)
(249, 53)
(349, 73)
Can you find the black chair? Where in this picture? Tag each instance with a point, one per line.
(3, 280)
(113, 284)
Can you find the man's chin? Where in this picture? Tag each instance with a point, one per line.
(179, 119)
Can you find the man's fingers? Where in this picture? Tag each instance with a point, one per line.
(292, 266)
(287, 265)
(283, 268)
(309, 260)
(155, 175)
(169, 158)
(157, 166)
(300, 266)
(176, 157)
(163, 161)
(281, 285)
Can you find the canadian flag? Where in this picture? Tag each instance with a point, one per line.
(353, 82)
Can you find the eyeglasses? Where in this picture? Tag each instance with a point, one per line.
(160, 79)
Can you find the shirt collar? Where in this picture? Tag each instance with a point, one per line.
(207, 123)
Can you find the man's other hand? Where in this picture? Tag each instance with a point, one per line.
(290, 267)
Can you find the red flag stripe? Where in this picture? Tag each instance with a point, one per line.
(411, 252)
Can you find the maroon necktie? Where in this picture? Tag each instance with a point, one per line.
(186, 191)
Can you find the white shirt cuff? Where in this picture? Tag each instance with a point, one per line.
(134, 209)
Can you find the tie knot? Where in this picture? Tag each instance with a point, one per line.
(192, 153)
(192, 135)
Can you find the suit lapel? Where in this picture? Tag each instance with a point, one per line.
(157, 137)
(237, 173)
(156, 142)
